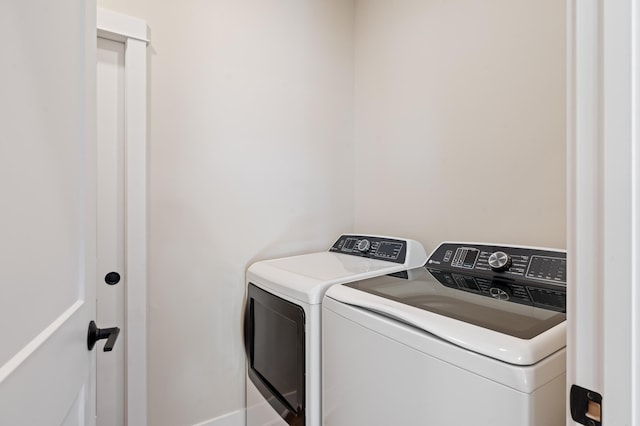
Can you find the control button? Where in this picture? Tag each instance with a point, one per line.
(499, 261)
(364, 245)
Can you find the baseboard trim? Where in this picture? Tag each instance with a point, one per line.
(235, 418)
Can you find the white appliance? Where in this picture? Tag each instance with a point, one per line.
(283, 321)
(477, 336)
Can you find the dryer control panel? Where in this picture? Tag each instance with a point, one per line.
(508, 262)
(373, 247)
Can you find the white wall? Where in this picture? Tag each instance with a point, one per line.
(251, 157)
(460, 120)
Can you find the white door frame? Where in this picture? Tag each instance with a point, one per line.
(603, 219)
(133, 33)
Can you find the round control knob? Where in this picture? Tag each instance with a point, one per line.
(499, 261)
(364, 245)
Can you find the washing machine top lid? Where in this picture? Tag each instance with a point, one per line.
(307, 277)
(514, 314)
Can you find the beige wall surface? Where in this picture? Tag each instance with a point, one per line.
(460, 120)
(250, 157)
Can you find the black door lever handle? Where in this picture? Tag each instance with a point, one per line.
(94, 334)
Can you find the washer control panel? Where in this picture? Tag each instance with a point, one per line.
(523, 275)
(509, 262)
(381, 248)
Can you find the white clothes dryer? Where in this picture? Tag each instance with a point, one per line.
(283, 321)
(477, 336)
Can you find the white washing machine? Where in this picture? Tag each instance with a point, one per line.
(476, 337)
(283, 321)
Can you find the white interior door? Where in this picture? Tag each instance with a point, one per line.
(110, 201)
(47, 219)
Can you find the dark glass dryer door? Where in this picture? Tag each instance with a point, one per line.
(275, 344)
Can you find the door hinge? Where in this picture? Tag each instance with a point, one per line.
(585, 406)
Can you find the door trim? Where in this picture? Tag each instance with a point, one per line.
(133, 33)
(603, 222)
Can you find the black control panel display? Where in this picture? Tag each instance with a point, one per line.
(371, 247)
(547, 268)
(505, 262)
(465, 257)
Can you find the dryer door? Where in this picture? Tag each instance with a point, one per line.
(275, 344)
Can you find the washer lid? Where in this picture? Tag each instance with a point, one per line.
(307, 277)
(521, 331)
